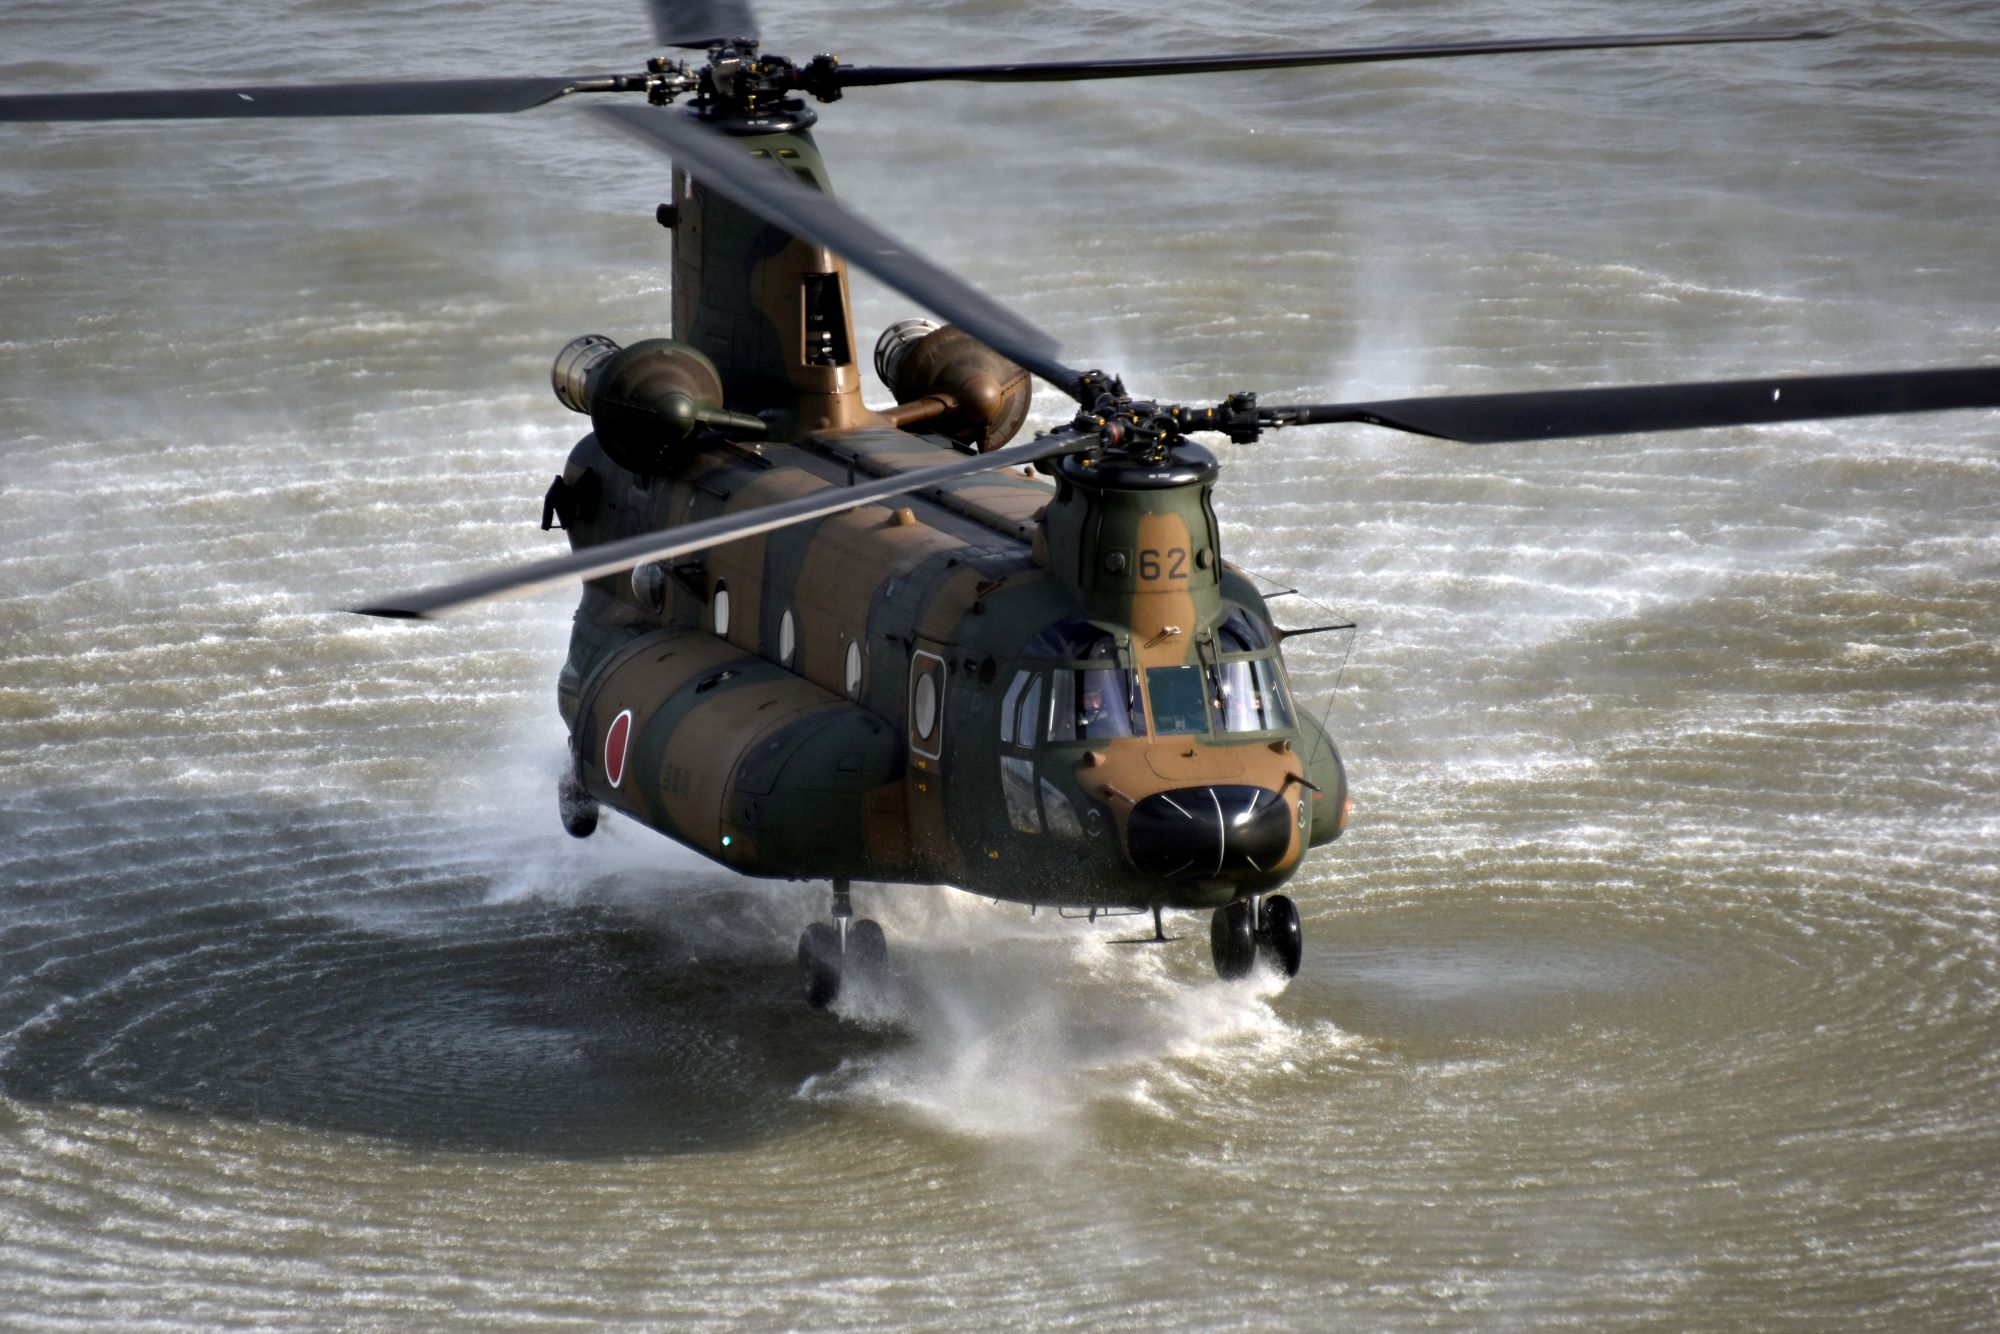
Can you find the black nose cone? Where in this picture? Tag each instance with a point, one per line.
(1200, 832)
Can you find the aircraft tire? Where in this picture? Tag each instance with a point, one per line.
(867, 949)
(579, 811)
(1232, 941)
(1280, 937)
(819, 964)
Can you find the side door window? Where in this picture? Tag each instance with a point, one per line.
(926, 704)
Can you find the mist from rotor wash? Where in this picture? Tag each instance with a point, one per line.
(1012, 1028)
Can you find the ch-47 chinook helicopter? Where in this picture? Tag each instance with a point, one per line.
(819, 640)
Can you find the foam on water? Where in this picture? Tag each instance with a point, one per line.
(1020, 1037)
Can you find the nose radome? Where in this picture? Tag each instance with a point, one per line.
(1199, 832)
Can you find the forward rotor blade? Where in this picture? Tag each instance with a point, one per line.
(773, 195)
(684, 539)
(421, 97)
(1492, 419)
(864, 76)
(701, 23)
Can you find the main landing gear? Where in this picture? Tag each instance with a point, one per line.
(578, 807)
(1261, 924)
(829, 955)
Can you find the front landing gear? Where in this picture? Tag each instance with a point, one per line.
(846, 949)
(1232, 939)
(1280, 938)
(1268, 926)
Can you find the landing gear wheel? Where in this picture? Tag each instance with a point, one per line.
(579, 810)
(1280, 938)
(1232, 941)
(819, 964)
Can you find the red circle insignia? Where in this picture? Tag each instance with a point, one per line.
(617, 738)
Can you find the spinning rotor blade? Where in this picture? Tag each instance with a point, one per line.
(687, 538)
(1063, 70)
(701, 23)
(774, 196)
(1492, 419)
(419, 97)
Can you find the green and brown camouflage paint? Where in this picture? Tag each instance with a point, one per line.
(754, 739)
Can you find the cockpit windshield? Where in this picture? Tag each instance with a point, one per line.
(1248, 692)
(1089, 694)
(1094, 697)
(1177, 700)
(1249, 697)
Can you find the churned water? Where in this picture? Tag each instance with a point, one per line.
(1656, 984)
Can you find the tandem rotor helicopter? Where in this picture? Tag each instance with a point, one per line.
(823, 641)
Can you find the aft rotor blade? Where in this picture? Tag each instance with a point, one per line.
(419, 97)
(725, 166)
(684, 539)
(864, 76)
(701, 23)
(1492, 419)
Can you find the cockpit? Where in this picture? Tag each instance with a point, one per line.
(1077, 683)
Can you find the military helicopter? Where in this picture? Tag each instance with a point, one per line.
(823, 641)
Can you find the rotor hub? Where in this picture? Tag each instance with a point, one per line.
(1148, 432)
(741, 90)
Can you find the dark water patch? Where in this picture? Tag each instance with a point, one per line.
(567, 1032)
(285, 967)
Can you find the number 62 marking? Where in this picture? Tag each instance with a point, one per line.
(1150, 563)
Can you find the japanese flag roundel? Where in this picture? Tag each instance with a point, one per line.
(617, 740)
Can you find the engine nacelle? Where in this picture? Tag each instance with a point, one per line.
(645, 400)
(982, 398)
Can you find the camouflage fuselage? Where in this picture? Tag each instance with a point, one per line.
(754, 739)
(1031, 687)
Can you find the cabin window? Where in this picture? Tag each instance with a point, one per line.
(1031, 706)
(1017, 785)
(1179, 700)
(1243, 633)
(927, 704)
(1010, 705)
(1070, 638)
(788, 638)
(1061, 815)
(719, 608)
(852, 676)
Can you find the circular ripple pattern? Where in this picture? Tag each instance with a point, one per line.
(1654, 986)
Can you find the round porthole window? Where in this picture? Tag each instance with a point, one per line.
(853, 669)
(788, 638)
(720, 607)
(925, 712)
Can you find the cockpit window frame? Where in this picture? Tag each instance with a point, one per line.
(1111, 651)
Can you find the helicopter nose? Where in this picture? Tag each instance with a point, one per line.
(1201, 832)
